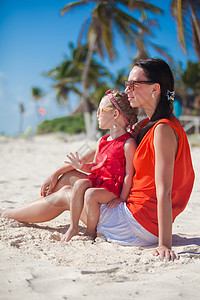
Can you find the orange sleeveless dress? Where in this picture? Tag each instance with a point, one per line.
(142, 201)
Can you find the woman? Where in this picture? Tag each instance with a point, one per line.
(163, 177)
(164, 174)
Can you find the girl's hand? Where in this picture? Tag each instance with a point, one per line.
(114, 203)
(164, 252)
(74, 161)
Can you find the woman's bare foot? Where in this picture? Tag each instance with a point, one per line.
(69, 234)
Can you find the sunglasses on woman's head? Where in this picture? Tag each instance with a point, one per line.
(131, 84)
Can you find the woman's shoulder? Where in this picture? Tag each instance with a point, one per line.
(172, 122)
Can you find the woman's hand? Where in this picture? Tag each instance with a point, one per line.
(164, 252)
(114, 203)
(48, 185)
(74, 161)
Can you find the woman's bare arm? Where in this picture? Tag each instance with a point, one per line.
(165, 145)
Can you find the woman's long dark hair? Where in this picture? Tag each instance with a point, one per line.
(158, 71)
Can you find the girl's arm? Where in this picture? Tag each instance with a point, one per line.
(165, 145)
(129, 151)
(52, 180)
(76, 163)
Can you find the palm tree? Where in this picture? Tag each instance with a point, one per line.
(67, 75)
(142, 40)
(21, 120)
(66, 78)
(187, 12)
(119, 78)
(187, 84)
(104, 16)
(37, 94)
(191, 81)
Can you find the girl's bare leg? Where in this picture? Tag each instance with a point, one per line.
(68, 178)
(47, 208)
(94, 197)
(76, 207)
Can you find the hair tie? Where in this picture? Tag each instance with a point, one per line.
(170, 95)
(112, 99)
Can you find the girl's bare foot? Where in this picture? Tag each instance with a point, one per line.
(69, 234)
(90, 236)
(83, 238)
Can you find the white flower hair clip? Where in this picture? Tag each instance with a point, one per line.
(170, 95)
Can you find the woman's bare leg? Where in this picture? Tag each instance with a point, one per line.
(94, 197)
(47, 208)
(67, 179)
(76, 207)
(42, 210)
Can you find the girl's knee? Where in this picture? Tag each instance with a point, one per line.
(69, 178)
(82, 184)
(90, 195)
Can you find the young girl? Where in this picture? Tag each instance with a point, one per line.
(112, 170)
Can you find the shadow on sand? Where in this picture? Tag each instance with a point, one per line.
(59, 229)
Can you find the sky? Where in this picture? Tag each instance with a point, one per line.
(34, 38)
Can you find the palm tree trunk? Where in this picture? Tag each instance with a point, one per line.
(195, 18)
(37, 113)
(85, 86)
(21, 123)
(21, 118)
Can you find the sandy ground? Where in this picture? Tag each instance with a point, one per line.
(34, 264)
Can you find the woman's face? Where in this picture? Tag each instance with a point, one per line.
(141, 94)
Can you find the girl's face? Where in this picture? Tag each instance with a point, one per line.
(139, 94)
(105, 113)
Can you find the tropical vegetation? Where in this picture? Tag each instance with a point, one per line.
(99, 26)
(187, 15)
(69, 124)
(37, 94)
(84, 76)
(67, 76)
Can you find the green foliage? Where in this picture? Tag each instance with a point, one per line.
(69, 124)
(186, 14)
(191, 76)
(67, 75)
(104, 16)
(36, 93)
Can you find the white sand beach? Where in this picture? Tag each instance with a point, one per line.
(34, 264)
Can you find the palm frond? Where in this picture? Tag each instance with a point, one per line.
(196, 41)
(105, 23)
(132, 21)
(71, 6)
(163, 52)
(137, 4)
